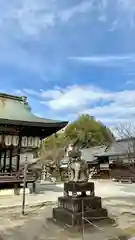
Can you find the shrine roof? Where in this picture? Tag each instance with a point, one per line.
(119, 147)
(16, 110)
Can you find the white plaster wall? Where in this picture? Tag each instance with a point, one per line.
(30, 158)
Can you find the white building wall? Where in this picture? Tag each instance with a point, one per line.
(29, 155)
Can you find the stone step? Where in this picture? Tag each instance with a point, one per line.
(73, 219)
(75, 204)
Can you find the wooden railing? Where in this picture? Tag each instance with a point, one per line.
(16, 177)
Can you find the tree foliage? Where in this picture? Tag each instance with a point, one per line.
(84, 132)
(55, 141)
(87, 132)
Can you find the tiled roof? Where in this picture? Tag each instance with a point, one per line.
(14, 108)
(119, 147)
(89, 153)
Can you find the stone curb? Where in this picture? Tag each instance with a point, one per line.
(39, 204)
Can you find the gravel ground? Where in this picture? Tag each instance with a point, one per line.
(36, 226)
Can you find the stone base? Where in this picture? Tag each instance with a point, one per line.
(69, 210)
(74, 204)
(76, 187)
(75, 219)
(79, 187)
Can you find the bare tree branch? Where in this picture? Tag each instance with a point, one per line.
(126, 132)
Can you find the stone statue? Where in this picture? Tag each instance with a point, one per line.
(78, 167)
(79, 195)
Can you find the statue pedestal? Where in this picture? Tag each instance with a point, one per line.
(75, 187)
(71, 208)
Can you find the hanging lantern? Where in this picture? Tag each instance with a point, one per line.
(36, 142)
(24, 142)
(15, 140)
(30, 141)
(8, 140)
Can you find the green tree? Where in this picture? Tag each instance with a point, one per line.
(86, 132)
(53, 149)
(55, 141)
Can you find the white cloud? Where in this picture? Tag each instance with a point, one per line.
(104, 60)
(109, 107)
(32, 17)
(73, 97)
(120, 108)
(117, 106)
(51, 94)
(83, 7)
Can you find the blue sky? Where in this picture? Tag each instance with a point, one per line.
(70, 57)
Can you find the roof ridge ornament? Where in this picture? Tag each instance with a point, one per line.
(24, 99)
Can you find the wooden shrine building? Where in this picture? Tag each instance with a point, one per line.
(20, 131)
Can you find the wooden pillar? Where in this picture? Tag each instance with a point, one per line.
(10, 159)
(1, 153)
(4, 164)
(18, 154)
